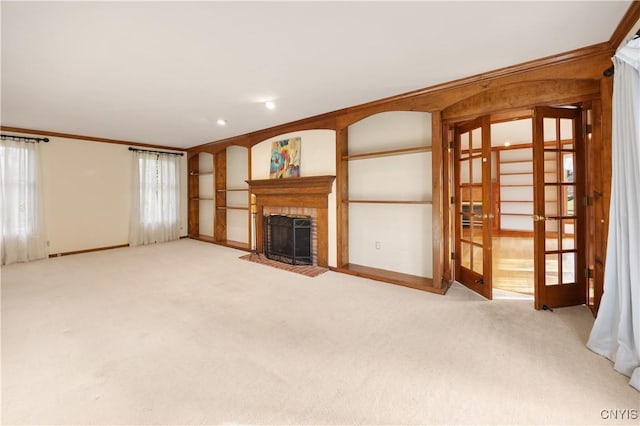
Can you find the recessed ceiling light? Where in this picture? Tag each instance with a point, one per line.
(221, 122)
(270, 105)
(507, 144)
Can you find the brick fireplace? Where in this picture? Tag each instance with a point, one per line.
(304, 196)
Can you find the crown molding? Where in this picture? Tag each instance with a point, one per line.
(88, 138)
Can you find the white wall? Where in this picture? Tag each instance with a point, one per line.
(396, 237)
(317, 158)
(87, 194)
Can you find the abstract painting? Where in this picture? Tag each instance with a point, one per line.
(285, 159)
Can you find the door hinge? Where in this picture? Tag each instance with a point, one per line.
(588, 273)
(450, 144)
(586, 201)
(453, 200)
(453, 256)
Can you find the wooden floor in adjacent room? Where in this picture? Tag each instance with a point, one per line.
(513, 264)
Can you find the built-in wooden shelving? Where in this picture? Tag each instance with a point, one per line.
(406, 280)
(205, 238)
(232, 208)
(347, 195)
(387, 153)
(514, 161)
(235, 244)
(387, 201)
(216, 186)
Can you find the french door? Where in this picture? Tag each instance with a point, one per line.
(473, 218)
(559, 221)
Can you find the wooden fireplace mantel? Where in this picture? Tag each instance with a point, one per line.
(312, 185)
(304, 192)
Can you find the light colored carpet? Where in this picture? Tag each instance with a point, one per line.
(187, 333)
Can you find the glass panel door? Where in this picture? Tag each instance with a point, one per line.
(558, 216)
(473, 205)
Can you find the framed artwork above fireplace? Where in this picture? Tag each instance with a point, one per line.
(285, 159)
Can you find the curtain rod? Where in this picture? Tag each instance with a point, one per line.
(610, 71)
(23, 138)
(156, 152)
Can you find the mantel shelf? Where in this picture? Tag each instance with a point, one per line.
(387, 153)
(301, 185)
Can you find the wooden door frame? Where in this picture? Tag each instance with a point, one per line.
(598, 130)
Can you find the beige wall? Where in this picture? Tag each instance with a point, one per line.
(317, 158)
(87, 194)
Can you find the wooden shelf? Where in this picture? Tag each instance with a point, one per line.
(517, 186)
(398, 278)
(516, 201)
(232, 208)
(201, 199)
(515, 161)
(205, 238)
(227, 243)
(386, 202)
(235, 244)
(233, 190)
(192, 173)
(515, 173)
(387, 153)
(517, 214)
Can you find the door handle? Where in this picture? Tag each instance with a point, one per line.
(487, 216)
(537, 218)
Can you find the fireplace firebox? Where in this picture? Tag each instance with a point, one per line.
(287, 238)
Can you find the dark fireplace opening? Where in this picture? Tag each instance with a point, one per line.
(287, 238)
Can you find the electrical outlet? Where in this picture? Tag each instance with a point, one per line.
(377, 245)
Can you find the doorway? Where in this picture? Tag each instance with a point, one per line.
(518, 183)
(513, 194)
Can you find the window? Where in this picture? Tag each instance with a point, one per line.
(156, 198)
(23, 235)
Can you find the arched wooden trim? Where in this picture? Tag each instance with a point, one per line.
(404, 105)
(326, 124)
(344, 124)
(320, 122)
(522, 95)
(584, 63)
(214, 148)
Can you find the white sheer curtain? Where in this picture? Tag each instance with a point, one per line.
(21, 203)
(155, 208)
(616, 332)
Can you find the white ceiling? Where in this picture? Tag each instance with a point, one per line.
(164, 72)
